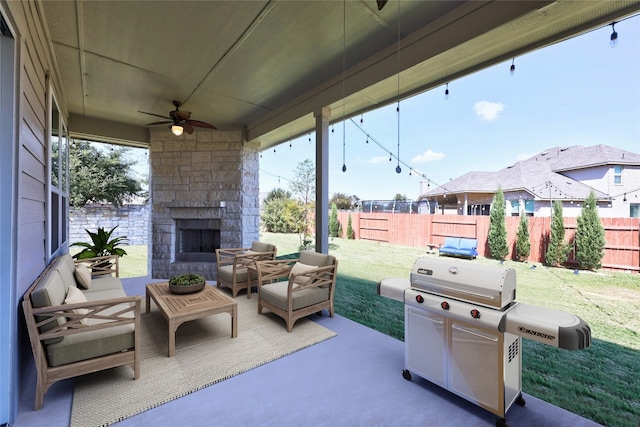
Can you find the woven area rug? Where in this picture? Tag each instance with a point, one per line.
(205, 354)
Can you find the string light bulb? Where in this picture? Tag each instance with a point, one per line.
(512, 69)
(614, 35)
(446, 91)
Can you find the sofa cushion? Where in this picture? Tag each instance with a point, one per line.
(104, 283)
(276, 294)
(50, 291)
(64, 265)
(468, 244)
(225, 274)
(83, 276)
(74, 296)
(451, 242)
(86, 345)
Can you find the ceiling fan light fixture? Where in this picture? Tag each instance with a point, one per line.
(177, 130)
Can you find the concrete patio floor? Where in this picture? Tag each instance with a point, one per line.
(353, 379)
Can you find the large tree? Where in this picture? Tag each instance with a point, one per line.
(497, 238)
(99, 176)
(342, 201)
(590, 239)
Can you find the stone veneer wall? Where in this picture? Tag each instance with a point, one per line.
(208, 174)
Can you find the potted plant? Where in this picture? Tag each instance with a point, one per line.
(102, 245)
(186, 283)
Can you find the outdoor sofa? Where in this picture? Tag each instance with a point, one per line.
(80, 320)
(459, 246)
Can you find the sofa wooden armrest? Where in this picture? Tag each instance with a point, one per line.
(68, 340)
(102, 265)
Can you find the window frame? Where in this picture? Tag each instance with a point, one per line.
(57, 177)
(617, 175)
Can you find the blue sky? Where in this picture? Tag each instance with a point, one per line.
(578, 92)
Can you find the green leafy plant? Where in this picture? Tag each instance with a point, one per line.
(186, 279)
(334, 224)
(350, 233)
(103, 244)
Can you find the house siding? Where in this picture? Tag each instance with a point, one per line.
(34, 62)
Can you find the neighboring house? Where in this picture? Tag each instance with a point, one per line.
(567, 174)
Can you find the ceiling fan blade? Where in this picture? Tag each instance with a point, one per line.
(200, 124)
(152, 114)
(187, 128)
(159, 123)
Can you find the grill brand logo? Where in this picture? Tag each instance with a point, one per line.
(536, 333)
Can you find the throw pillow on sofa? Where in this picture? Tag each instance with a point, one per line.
(83, 276)
(75, 295)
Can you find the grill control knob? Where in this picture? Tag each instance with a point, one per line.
(420, 299)
(475, 314)
(444, 305)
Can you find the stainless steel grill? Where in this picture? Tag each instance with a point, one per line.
(463, 329)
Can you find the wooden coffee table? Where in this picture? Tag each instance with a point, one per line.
(178, 309)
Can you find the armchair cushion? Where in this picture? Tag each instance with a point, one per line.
(298, 270)
(315, 258)
(276, 294)
(83, 276)
(262, 247)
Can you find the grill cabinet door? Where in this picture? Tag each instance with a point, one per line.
(425, 348)
(476, 370)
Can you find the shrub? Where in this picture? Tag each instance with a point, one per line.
(350, 233)
(590, 239)
(334, 224)
(497, 237)
(558, 249)
(523, 244)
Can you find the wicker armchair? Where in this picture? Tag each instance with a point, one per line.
(296, 288)
(234, 265)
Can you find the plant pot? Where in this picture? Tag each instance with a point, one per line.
(186, 289)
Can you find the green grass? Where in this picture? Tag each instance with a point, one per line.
(601, 383)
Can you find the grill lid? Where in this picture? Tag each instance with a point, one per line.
(486, 285)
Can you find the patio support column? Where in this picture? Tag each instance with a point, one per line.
(322, 180)
(466, 204)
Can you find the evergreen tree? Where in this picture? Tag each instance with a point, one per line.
(523, 244)
(558, 249)
(334, 224)
(350, 233)
(590, 239)
(497, 228)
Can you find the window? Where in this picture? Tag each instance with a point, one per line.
(58, 178)
(617, 175)
(634, 210)
(529, 207)
(515, 208)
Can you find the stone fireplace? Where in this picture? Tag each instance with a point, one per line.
(204, 196)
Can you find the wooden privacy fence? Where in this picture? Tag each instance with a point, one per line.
(622, 235)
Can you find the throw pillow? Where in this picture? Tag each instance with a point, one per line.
(299, 270)
(83, 276)
(75, 295)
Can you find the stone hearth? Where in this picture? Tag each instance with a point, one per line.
(208, 176)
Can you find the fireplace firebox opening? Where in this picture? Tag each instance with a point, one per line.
(197, 240)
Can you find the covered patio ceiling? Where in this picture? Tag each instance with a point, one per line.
(266, 66)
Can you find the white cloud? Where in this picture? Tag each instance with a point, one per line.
(379, 159)
(427, 156)
(488, 110)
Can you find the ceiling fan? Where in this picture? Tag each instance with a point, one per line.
(180, 121)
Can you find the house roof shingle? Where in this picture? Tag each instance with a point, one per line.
(542, 174)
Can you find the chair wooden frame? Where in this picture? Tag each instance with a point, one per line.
(240, 259)
(272, 271)
(47, 375)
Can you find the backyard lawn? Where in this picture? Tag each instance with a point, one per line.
(601, 383)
